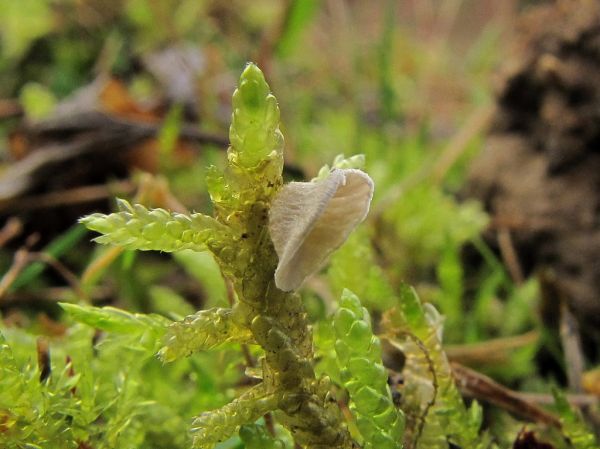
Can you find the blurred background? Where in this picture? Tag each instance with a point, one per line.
(479, 120)
(95, 93)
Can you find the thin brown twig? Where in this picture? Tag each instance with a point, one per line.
(509, 256)
(23, 257)
(10, 230)
(20, 261)
(61, 269)
(481, 387)
(571, 342)
(187, 131)
(53, 294)
(77, 195)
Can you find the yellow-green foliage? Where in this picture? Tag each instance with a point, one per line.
(436, 414)
(239, 239)
(98, 397)
(365, 378)
(108, 389)
(212, 427)
(202, 331)
(256, 437)
(573, 428)
(135, 227)
(354, 267)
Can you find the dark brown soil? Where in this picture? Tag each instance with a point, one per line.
(539, 175)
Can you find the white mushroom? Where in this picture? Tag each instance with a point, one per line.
(309, 220)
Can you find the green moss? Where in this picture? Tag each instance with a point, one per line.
(238, 238)
(362, 373)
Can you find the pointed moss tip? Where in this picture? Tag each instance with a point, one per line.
(253, 72)
(251, 67)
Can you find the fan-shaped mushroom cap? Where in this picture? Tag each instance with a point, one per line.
(309, 220)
